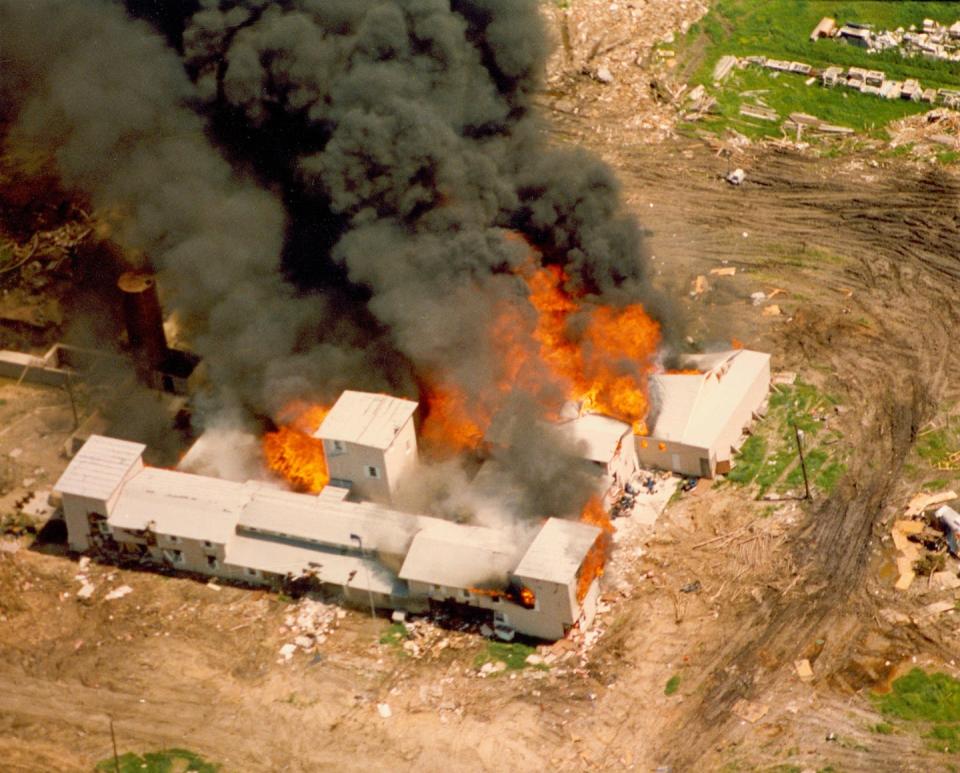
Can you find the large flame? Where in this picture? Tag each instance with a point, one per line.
(595, 356)
(606, 366)
(291, 451)
(595, 514)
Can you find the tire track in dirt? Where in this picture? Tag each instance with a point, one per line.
(901, 230)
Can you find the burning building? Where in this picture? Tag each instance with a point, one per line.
(701, 413)
(254, 533)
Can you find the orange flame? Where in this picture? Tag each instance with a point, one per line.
(606, 368)
(293, 453)
(603, 367)
(593, 565)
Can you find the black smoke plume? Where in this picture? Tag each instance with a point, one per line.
(325, 186)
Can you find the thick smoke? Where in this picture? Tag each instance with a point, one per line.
(394, 148)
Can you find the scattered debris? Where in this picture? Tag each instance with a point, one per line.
(604, 75)
(945, 580)
(921, 502)
(727, 271)
(750, 711)
(700, 285)
(758, 297)
(691, 587)
(286, 653)
(759, 112)
(736, 177)
(949, 520)
(723, 67)
(773, 310)
(383, 709)
(118, 593)
(804, 670)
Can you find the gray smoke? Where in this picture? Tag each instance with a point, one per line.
(402, 131)
(110, 102)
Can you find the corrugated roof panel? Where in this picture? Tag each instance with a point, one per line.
(600, 435)
(366, 419)
(557, 552)
(363, 574)
(99, 467)
(181, 504)
(459, 556)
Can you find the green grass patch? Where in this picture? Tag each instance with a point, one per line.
(774, 466)
(769, 457)
(919, 696)
(945, 738)
(883, 728)
(781, 30)
(395, 634)
(514, 654)
(749, 460)
(166, 761)
(673, 684)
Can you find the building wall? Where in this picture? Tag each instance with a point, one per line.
(401, 458)
(392, 465)
(678, 457)
(76, 511)
(751, 401)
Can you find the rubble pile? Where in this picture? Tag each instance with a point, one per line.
(310, 624)
(940, 127)
(925, 542)
(624, 49)
(932, 40)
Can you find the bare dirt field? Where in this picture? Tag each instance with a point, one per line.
(866, 254)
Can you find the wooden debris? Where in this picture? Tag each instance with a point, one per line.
(751, 711)
(700, 285)
(804, 671)
(773, 310)
(729, 271)
(921, 502)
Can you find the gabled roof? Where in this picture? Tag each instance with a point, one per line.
(598, 436)
(692, 408)
(328, 521)
(458, 556)
(181, 504)
(366, 419)
(281, 558)
(99, 467)
(558, 550)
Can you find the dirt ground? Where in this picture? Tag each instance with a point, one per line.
(866, 251)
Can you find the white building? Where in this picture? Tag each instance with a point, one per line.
(607, 444)
(370, 444)
(699, 418)
(256, 533)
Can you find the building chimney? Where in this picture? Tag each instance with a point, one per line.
(143, 317)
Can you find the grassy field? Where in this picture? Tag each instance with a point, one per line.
(769, 457)
(167, 761)
(781, 30)
(929, 703)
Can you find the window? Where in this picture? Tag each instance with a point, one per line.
(337, 447)
(173, 556)
(174, 539)
(373, 472)
(104, 528)
(251, 572)
(207, 544)
(213, 563)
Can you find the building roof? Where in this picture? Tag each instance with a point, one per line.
(693, 408)
(598, 436)
(558, 550)
(325, 520)
(364, 574)
(181, 504)
(366, 419)
(459, 556)
(99, 467)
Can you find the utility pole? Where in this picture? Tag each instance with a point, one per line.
(798, 433)
(359, 541)
(113, 740)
